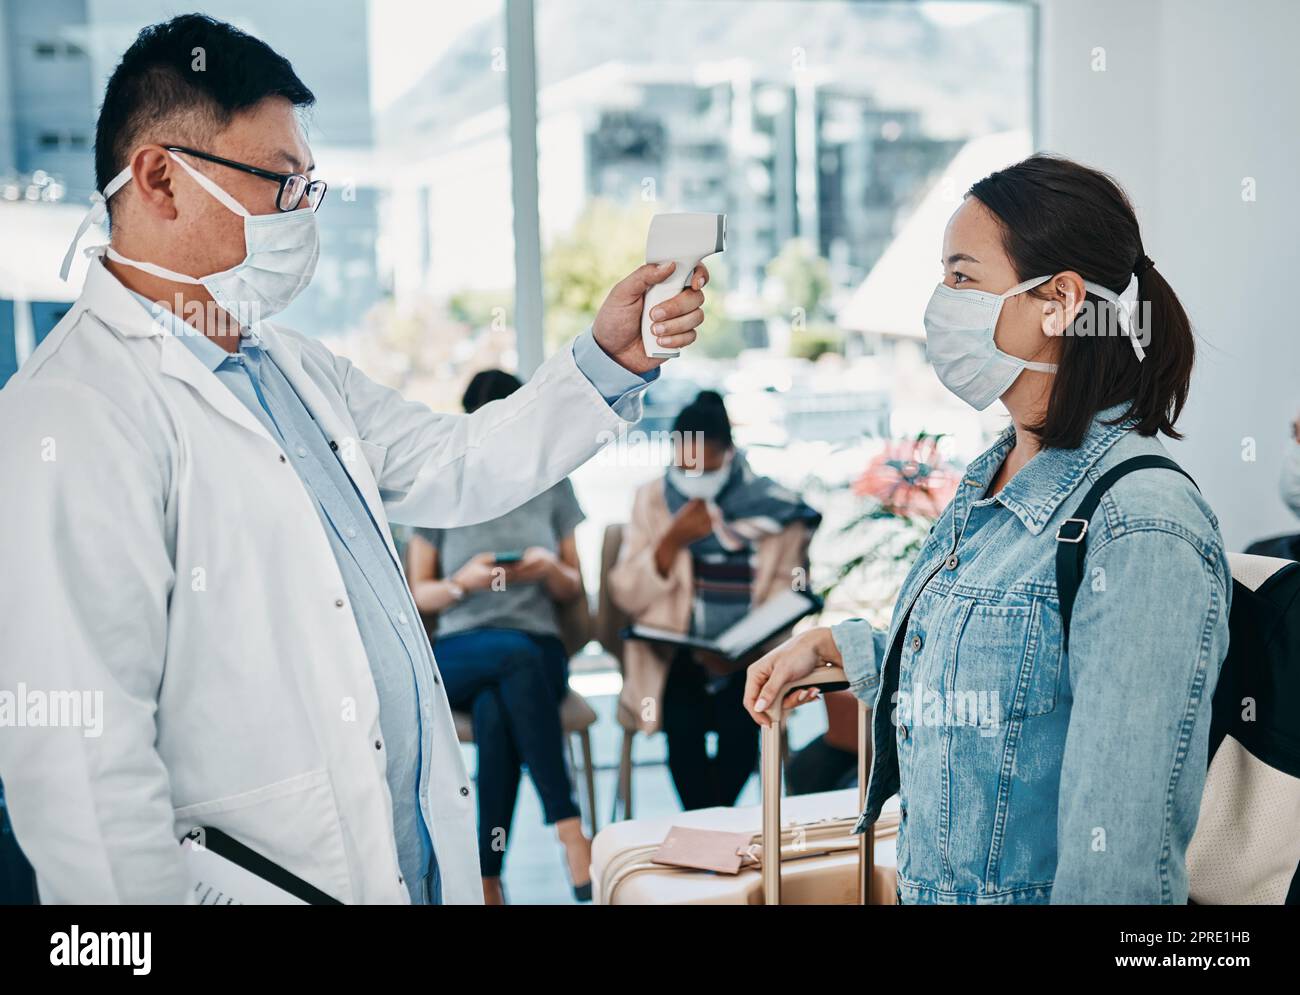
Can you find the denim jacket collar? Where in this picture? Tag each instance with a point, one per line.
(1034, 494)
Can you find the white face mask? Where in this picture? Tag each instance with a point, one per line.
(704, 485)
(280, 254)
(959, 327)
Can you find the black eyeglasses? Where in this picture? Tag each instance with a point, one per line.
(292, 185)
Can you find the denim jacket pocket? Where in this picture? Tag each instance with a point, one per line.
(1008, 663)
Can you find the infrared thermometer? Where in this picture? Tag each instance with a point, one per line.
(683, 239)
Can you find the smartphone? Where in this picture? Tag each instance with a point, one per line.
(508, 558)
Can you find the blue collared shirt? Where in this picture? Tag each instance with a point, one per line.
(400, 657)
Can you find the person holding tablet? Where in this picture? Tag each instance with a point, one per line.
(707, 543)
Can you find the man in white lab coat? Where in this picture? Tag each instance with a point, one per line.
(204, 623)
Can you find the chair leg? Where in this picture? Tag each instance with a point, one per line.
(624, 793)
(573, 767)
(589, 769)
(618, 795)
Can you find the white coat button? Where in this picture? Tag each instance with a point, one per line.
(379, 744)
(464, 792)
(282, 459)
(338, 602)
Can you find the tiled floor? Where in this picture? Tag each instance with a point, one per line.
(534, 870)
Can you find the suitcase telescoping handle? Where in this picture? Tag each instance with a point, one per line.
(825, 679)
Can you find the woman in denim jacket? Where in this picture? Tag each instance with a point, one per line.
(1027, 772)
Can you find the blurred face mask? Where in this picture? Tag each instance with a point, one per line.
(704, 484)
(959, 326)
(280, 254)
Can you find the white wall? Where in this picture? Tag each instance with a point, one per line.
(1196, 96)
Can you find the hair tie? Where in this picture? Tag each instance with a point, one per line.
(1143, 264)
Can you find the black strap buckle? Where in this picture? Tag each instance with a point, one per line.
(1074, 536)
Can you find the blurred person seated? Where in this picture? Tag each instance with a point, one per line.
(1286, 546)
(494, 589)
(706, 543)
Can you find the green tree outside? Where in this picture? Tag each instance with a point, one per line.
(605, 244)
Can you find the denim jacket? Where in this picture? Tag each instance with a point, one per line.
(1026, 773)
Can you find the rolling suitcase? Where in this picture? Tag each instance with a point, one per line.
(822, 862)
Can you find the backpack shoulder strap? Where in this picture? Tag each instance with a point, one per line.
(1072, 536)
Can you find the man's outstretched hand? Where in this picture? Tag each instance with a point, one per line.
(617, 327)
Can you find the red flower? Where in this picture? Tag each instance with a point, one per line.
(909, 477)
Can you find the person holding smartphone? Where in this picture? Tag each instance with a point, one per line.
(494, 589)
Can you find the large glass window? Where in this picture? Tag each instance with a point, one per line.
(415, 276)
(838, 136)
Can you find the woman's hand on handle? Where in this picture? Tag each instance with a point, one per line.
(797, 657)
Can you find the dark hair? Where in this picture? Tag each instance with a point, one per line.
(192, 74)
(706, 415)
(1059, 215)
(488, 385)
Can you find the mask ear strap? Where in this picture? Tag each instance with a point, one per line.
(99, 210)
(97, 213)
(211, 187)
(152, 268)
(1030, 284)
(1040, 367)
(1125, 304)
(1020, 288)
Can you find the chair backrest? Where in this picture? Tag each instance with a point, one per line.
(575, 620)
(610, 619)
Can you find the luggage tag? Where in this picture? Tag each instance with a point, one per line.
(705, 850)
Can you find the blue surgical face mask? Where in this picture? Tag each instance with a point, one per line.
(959, 327)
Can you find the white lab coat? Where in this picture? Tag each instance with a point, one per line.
(158, 547)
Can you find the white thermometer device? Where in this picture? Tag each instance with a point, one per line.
(683, 239)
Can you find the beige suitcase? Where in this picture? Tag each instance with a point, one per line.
(822, 861)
